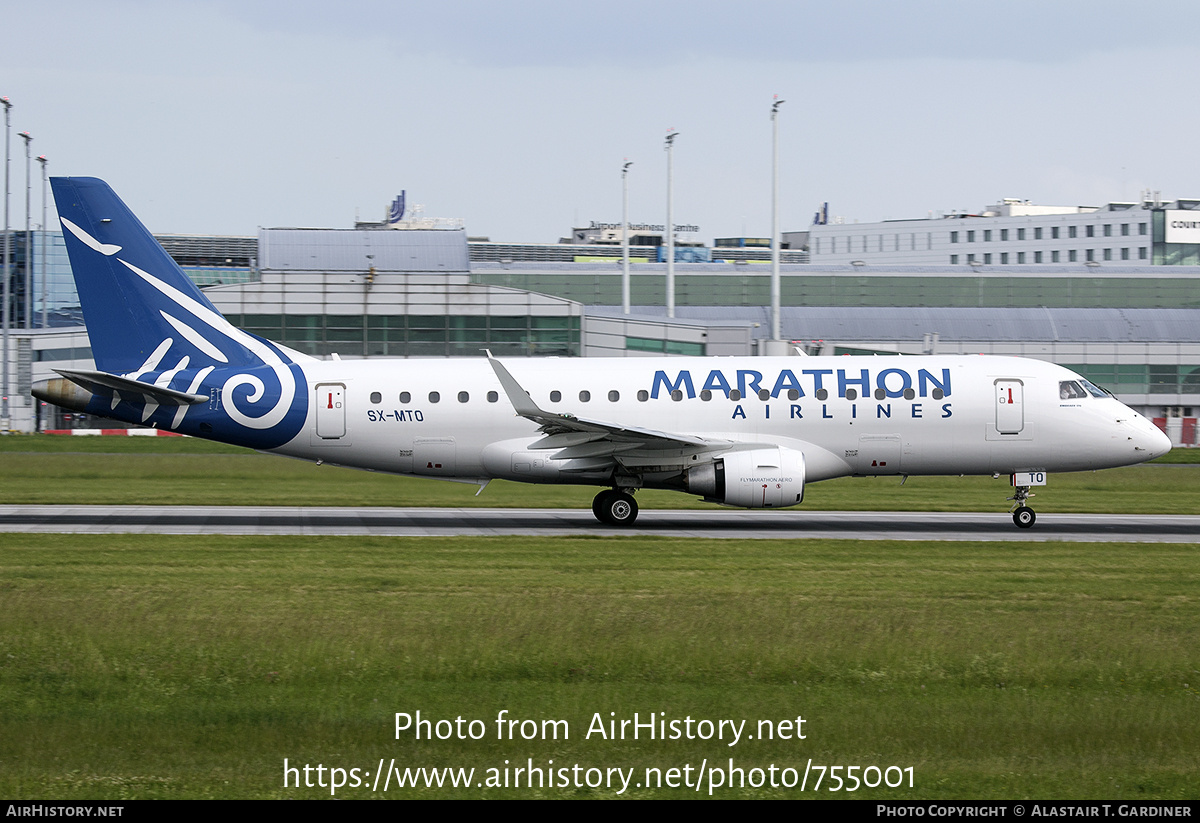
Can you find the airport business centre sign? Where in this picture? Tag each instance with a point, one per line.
(653, 227)
(1183, 226)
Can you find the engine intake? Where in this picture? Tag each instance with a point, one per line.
(770, 478)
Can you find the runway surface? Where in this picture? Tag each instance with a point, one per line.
(717, 523)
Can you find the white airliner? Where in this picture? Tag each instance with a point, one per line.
(747, 432)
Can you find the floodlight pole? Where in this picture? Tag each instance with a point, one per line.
(670, 228)
(625, 296)
(28, 138)
(45, 239)
(776, 297)
(4, 419)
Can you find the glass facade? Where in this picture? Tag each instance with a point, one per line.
(51, 268)
(648, 344)
(596, 288)
(417, 335)
(1171, 254)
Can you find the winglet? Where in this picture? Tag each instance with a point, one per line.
(519, 398)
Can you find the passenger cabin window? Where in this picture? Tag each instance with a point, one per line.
(763, 394)
(585, 396)
(705, 394)
(405, 397)
(376, 397)
(614, 396)
(735, 395)
(493, 397)
(643, 395)
(463, 397)
(434, 397)
(555, 396)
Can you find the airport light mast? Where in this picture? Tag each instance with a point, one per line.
(45, 295)
(4, 419)
(625, 295)
(776, 297)
(28, 313)
(671, 135)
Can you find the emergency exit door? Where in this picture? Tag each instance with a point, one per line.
(1010, 406)
(331, 411)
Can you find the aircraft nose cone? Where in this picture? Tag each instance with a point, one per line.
(1157, 442)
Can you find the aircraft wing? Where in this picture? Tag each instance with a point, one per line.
(595, 441)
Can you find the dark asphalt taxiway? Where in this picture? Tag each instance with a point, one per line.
(716, 523)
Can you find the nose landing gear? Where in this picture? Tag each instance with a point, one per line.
(1022, 515)
(614, 507)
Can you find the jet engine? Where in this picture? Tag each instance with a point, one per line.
(769, 478)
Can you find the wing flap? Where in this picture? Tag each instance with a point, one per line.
(566, 440)
(601, 448)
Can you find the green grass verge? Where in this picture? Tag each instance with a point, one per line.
(180, 470)
(155, 666)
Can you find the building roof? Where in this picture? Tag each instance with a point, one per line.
(966, 324)
(350, 250)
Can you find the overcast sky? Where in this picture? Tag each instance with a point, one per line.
(219, 117)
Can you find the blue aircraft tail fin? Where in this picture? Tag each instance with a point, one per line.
(136, 300)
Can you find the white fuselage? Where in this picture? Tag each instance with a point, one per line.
(938, 415)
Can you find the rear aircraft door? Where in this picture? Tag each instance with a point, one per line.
(331, 410)
(1010, 406)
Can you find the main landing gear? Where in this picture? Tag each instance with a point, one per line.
(614, 507)
(1022, 515)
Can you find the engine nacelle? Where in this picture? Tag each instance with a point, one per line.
(753, 479)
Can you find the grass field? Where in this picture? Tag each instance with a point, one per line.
(151, 666)
(176, 470)
(160, 666)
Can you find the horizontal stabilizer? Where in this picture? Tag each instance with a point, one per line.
(103, 383)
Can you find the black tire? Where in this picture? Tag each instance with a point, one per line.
(1024, 517)
(620, 509)
(600, 505)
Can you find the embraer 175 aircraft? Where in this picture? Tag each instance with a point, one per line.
(739, 431)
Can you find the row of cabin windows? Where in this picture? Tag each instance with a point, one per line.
(1072, 231)
(643, 395)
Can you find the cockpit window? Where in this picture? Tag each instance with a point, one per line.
(1077, 389)
(1070, 390)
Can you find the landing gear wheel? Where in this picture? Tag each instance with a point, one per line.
(1024, 517)
(600, 503)
(615, 508)
(621, 510)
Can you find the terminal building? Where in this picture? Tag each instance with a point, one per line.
(1150, 232)
(1130, 325)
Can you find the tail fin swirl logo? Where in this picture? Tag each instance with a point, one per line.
(191, 345)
